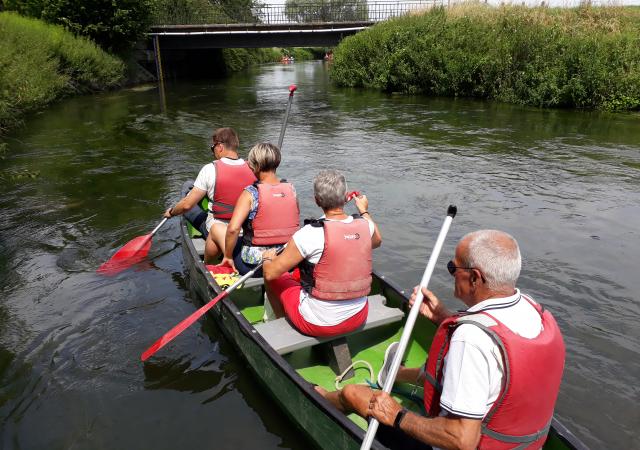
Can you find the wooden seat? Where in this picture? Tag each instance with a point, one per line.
(198, 244)
(286, 339)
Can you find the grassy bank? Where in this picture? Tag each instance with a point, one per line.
(584, 58)
(40, 63)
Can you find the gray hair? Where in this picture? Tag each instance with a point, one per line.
(497, 255)
(330, 189)
(264, 157)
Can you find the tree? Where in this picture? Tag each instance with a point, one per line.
(327, 10)
(115, 25)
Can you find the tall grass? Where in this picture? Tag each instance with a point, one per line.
(40, 63)
(586, 57)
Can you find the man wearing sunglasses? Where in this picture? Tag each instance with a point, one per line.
(493, 371)
(222, 181)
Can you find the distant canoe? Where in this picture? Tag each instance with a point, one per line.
(288, 364)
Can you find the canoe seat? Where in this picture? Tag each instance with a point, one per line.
(198, 244)
(286, 339)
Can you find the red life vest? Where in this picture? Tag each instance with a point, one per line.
(522, 413)
(344, 269)
(277, 217)
(230, 181)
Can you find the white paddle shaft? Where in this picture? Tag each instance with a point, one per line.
(158, 227)
(411, 320)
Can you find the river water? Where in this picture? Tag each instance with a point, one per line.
(564, 183)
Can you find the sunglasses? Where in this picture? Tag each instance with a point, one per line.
(451, 267)
(213, 147)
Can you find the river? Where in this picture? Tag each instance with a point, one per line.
(564, 183)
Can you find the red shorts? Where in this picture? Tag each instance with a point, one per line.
(287, 289)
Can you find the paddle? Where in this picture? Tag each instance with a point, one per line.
(186, 323)
(292, 89)
(131, 253)
(411, 320)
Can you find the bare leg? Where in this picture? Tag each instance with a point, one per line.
(215, 242)
(353, 398)
(278, 310)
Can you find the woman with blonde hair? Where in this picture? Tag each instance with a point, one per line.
(266, 211)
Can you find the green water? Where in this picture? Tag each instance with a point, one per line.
(566, 184)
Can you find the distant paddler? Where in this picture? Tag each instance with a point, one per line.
(222, 181)
(334, 257)
(267, 213)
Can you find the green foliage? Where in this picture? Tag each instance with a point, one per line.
(193, 12)
(114, 24)
(299, 54)
(40, 63)
(237, 59)
(586, 58)
(326, 10)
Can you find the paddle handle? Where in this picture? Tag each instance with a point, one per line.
(292, 89)
(162, 222)
(411, 320)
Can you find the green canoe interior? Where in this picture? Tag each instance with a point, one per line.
(368, 345)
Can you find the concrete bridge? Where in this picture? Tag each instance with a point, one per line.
(322, 23)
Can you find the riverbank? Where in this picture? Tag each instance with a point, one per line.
(42, 63)
(587, 58)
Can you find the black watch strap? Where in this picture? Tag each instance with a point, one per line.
(399, 417)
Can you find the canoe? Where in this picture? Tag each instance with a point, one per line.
(287, 364)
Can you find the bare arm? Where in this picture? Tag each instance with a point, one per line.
(449, 432)
(240, 214)
(362, 203)
(188, 202)
(274, 266)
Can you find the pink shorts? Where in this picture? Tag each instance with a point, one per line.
(287, 289)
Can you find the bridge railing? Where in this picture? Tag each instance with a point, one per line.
(294, 12)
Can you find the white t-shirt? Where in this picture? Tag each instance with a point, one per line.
(206, 181)
(310, 243)
(473, 367)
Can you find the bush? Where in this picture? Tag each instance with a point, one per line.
(43, 62)
(586, 58)
(116, 25)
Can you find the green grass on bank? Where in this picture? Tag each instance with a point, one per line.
(586, 57)
(40, 63)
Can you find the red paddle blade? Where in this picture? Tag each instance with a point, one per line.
(352, 195)
(186, 323)
(132, 252)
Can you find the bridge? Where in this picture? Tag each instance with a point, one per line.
(323, 23)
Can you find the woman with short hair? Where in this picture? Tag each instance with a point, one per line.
(334, 257)
(266, 211)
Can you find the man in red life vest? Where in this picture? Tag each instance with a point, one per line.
(222, 181)
(493, 372)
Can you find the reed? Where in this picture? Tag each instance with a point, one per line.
(587, 57)
(41, 63)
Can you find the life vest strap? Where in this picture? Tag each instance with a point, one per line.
(222, 208)
(512, 439)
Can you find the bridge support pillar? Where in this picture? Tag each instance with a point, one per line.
(158, 58)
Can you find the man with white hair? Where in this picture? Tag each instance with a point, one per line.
(494, 370)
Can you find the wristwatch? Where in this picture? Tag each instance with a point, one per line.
(399, 417)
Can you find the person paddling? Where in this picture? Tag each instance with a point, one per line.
(493, 372)
(334, 254)
(222, 181)
(266, 211)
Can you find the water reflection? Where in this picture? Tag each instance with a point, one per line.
(564, 183)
